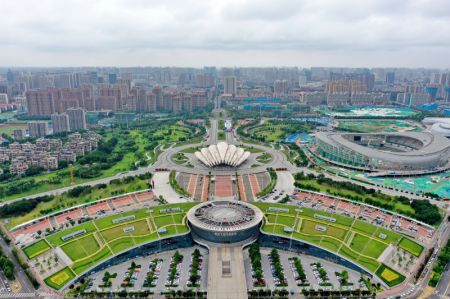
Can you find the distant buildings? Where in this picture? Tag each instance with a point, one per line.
(280, 87)
(38, 128)
(60, 123)
(47, 153)
(77, 119)
(229, 86)
(3, 98)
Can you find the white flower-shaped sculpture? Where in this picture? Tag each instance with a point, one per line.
(222, 154)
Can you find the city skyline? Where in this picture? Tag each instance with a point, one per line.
(226, 33)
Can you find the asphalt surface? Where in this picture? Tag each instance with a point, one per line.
(18, 272)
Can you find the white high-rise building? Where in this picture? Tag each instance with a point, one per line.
(229, 85)
(77, 119)
(60, 123)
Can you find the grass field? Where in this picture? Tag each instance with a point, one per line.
(165, 134)
(410, 246)
(356, 240)
(398, 206)
(103, 238)
(60, 278)
(36, 249)
(389, 276)
(81, 247)
(63, 201)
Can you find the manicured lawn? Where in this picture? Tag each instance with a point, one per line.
(55, 239)
(309, 227)
(374, 249)
(60, 278)
(36, 249)
(364, 248)
(108, 221)
(140, 228)
(363, 227)
(410, 246)
(389, 276)
(63, 201)
(121, 244)
(81, 266)
(81, 248)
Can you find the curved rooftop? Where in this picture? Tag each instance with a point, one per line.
(222, 153)
(224, 215)
(410, 144)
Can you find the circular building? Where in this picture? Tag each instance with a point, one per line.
(409, 152)
(442, 129)
(225, 221)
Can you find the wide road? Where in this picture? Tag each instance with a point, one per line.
(26, 286)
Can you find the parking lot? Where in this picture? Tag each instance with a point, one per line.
(138, 275)
(312, 276)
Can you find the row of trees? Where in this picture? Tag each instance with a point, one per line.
(255, 259)
(439, 268)
(7, 266)
(277, 267)
(173, 269)
(195, 268)
(300, 271)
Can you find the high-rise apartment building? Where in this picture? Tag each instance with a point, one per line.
(229, 85)
(390, 77)
(280, 87)
(60, 123)
(42, 101)
(77, 119)
(38, 128)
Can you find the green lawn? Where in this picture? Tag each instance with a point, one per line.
(410, 246)
(63, 201)
(81, 248)
(389, 276)
(82, 265)
(106, 222)
(55, 239)
(60, 278)
(103, 238)
(36, 249)
(364, 248)
(140, 228)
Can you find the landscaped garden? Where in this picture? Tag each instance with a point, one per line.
(358, 241)
(421, 210)
(28, 209)
(98, 240)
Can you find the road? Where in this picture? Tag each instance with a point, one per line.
(18, 272)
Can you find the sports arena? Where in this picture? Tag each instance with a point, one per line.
(225, 221)
(396, 153)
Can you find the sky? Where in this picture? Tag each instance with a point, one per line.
(304, 33)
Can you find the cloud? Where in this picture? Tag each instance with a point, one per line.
(120, 32)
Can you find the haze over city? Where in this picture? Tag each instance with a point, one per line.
(349, 33)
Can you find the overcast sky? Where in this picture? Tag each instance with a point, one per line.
(371, 33)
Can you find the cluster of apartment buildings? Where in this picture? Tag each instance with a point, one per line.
(113, 97)
(46, 153)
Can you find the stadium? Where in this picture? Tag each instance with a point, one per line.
(392, 153)
(225, 221)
